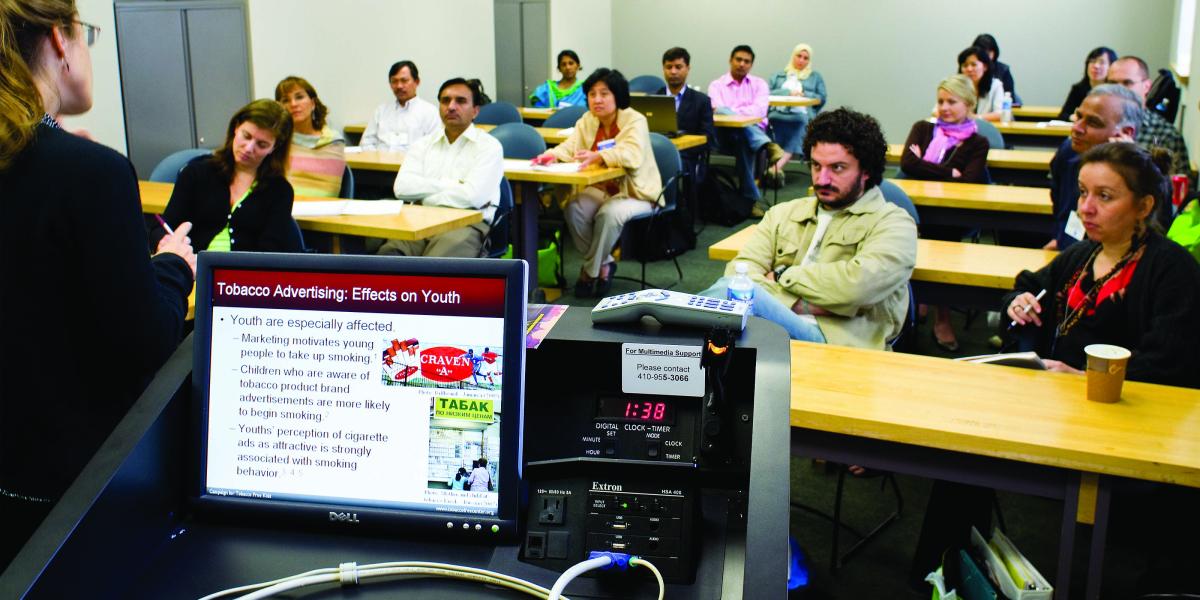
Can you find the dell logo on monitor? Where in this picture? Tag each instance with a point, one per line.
(343, 517)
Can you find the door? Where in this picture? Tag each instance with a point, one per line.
(522, 48)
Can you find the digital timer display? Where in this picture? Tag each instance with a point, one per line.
(633, 410)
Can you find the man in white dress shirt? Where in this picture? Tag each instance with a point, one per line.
(458, 166)
(396, 125)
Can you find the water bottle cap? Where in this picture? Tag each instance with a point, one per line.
(741, 268)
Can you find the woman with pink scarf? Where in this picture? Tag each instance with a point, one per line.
(948, 149)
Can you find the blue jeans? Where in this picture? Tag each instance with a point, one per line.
(767, 307)
(743, 143)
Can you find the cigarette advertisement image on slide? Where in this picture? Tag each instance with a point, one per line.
(407, 361)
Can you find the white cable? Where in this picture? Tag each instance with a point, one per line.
(638, 561)
(575, 571)
(350, 574)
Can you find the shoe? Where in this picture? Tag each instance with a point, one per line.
(585, 289)
(757, 211)
(774, 152)
(604, 284)
(951, 346)
(996, 342)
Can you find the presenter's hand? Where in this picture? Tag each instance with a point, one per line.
(1060, 367)
(1016, 310)
(543, 159)
(179, 243)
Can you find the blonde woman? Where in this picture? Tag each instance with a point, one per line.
(317, 158)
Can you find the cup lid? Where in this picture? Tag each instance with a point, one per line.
(1107, 351)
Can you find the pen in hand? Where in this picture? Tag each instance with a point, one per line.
(164, 225)
(1025, 310)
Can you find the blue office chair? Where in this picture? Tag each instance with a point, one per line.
(646, 84)
(498, 113)
(892, 193)
(347, 189)
(497, 240)
(167, 170)
(519, 140)
(994, 137)
(641, 237)
(565, 117)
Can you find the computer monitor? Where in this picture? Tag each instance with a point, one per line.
(370, 393)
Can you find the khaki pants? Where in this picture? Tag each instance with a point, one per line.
(464, 242)
(594, 220)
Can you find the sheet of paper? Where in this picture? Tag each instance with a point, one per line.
(568, 167)
(318, 208)
(566, 132)
(373, 207)
(353, 149)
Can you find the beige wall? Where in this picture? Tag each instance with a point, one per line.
(105, 121)
(585, 27)
(1188, 110)
(885, 57)
(344, 48)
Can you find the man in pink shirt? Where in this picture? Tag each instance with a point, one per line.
(739, 92)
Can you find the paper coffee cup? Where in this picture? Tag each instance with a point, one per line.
(1105, 371)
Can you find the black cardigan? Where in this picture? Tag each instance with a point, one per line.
(263, 222)
(969, 157)
(87, 316)
(1162, 322)
(1079, 91)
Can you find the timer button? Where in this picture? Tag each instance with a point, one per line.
(652, 450)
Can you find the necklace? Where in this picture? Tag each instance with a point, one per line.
(1069, 318)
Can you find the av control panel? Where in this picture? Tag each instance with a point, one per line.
(620, 471)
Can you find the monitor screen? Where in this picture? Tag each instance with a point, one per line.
(360, 390)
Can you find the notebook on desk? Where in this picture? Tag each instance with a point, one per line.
(659, 112)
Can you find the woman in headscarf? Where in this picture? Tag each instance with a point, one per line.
(789, 122)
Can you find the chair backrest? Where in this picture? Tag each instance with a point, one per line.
(496, 243)
(670, 167)
(347, 189)
(498, 113)
(646, 84)
(167, 169)
(989, 131)
(565, 117)
(519, 140)
(892, 193)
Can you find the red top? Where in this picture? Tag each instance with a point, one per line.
(610, 187)
(1113, 288)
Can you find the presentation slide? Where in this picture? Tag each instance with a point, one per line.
(370, 390)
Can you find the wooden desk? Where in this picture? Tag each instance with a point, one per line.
(1029, 160)
(1006, 207)
(375, 160)
(414, 222)
(735, 120)
(554, 136)
(535, 114)
(792, 101)
(975, 275)
(355, 128)
(1037, 113)
(1033, 128)
(1028, 431)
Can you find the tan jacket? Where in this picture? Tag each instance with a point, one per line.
(631, 151)
(860, 273)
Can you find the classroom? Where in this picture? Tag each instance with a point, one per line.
(897, 450)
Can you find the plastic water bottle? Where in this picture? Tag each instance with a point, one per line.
(1006, 108)
(741, 288)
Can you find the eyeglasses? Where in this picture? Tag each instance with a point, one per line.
(92, 31)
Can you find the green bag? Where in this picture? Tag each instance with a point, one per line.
(1185, 229)
(548, 262)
